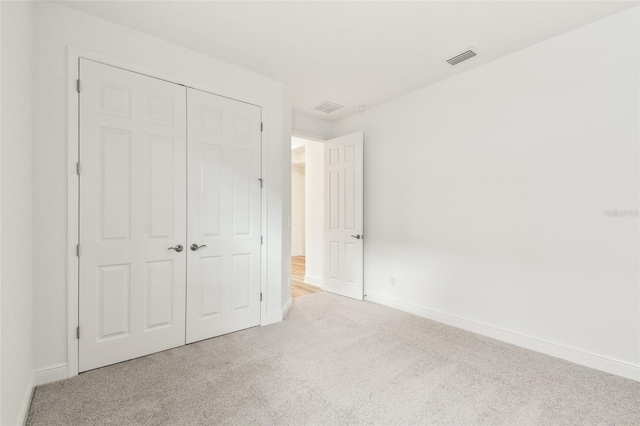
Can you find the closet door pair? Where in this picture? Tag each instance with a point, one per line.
(169, 215)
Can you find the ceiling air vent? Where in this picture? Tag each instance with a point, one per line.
(327, 107)
(461, 57)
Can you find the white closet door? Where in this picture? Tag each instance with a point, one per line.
(224, 171)
(344, 210)
(132, 210)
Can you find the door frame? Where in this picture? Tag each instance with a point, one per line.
(73, 184)
(320, 139)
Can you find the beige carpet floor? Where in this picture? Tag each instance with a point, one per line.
(335, 361)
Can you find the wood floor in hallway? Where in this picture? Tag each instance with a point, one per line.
(298, 286)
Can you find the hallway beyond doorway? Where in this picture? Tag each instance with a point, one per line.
(298, 286)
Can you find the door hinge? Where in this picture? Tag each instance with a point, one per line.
(261, 296)
(260, 183)
(78, 168)
(78, 250)
(262, 127)
(78, 85)
(261, 239)
(77, 332)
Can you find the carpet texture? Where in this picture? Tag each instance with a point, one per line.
(336, 361)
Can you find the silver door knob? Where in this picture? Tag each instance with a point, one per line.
(195, 247)
(357, 237)
(177, 248)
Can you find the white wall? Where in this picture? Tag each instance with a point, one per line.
(307, 126)
(58, 27)
(297, 208)
(485, 195)
(314, 208)
(16, 209)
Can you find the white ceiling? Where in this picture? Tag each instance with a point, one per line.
(351, 53)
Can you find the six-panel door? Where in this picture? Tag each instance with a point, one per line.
(224, 202)
(344, 210)
(132, 210)
(152, 278)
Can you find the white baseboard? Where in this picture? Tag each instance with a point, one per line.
(274, 317)
(287, 307)
(296, 254)
(576, 356)
(51, 374)
(26, 404)
(309, 279)
(278, 316)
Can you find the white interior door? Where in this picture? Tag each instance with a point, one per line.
(343, 234)
(132, 210)
(224, 153)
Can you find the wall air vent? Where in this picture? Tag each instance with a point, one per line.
(462, 57)
(327, 107)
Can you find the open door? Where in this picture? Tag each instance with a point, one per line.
(343, 232)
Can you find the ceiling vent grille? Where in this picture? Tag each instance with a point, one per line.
(461, 57)
(327, 107)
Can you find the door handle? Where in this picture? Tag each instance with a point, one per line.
(357, 237)
(177, 248)
(195, 247)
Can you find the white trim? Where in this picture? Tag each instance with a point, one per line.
(309, 136)
(587, 359)
(297, 254)
(26, 404)
(314, 281)
(287, 307)
(73, 195)
(264, 254)
(73, 56)
(274, 317)
(278, 316)
(51, 374)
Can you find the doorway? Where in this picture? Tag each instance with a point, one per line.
(327, 209)
(307, 211)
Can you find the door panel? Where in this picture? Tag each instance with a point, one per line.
(344, 212)
(224, 202)
(132, 209)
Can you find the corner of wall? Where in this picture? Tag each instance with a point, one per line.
(286, 201)
(18, 34)
(23, 413)
(287, 308)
